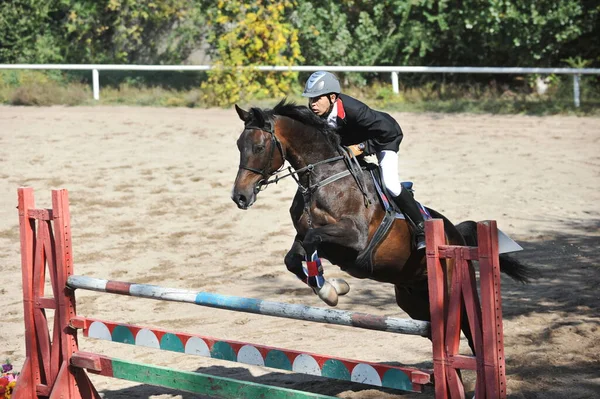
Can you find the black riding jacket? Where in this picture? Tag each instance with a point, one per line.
(357, 123)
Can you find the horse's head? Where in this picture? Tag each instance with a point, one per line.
(261, 155)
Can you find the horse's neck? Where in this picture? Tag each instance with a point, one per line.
(305, 145)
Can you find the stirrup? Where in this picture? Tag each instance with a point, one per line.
(420, 236)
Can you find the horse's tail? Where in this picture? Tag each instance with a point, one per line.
(509, 265)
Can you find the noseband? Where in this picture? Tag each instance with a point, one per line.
(264, 172)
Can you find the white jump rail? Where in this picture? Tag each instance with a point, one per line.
(394, 70)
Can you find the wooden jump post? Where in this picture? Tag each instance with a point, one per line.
(55, 368)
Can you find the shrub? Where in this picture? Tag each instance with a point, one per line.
(50, 93)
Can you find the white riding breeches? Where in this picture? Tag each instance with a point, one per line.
(388, 162)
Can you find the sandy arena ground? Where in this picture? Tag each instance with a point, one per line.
(150, 203)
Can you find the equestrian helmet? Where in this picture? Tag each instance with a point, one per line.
(320, 83)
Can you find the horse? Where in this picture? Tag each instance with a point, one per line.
(336, 210)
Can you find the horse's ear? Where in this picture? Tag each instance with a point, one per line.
(244, 115)
(258, 117)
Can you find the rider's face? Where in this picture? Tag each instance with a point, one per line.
(320, 105)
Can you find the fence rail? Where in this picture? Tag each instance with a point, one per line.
(393, 70)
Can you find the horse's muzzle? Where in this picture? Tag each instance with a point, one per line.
(242, 201)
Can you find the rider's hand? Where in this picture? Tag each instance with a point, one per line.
(356, 150)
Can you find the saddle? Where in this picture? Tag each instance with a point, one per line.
(382, 191)
(392, 212)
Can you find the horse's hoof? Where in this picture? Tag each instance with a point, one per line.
(327, 293)
(340, 285)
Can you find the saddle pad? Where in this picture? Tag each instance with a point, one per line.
(406, 185)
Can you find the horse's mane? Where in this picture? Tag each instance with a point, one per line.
(299, 113)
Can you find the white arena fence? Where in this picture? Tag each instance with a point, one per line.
(393, 70)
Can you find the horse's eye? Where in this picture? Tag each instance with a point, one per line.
(258, 149)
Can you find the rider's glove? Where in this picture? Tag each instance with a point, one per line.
(357, 149)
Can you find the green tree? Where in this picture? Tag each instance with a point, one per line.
(30, 31)
(448, 32)
(132, 31)
(99, 31)
(250, 33)
(503, 33)
(347, 32)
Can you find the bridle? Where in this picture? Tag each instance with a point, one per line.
(264, 172)
(353, 168)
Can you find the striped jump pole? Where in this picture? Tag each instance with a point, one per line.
(252, 305)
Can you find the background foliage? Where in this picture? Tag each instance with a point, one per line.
(545, 33)
(449, 33)
(98, 31)
(245, 33)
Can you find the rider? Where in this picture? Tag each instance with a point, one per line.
(367, 131)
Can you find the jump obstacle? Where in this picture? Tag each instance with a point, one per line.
(56, 368)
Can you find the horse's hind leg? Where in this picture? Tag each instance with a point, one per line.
(414, 300)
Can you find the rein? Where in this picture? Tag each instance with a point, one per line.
(309, 168)
(353, 168)
(310, 189)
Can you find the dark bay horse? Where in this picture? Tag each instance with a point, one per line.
(334, 212)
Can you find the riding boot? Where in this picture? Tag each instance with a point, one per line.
(407, 204)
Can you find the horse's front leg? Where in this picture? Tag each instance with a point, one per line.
(294, 262)
(293, 259)
(344, 233)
